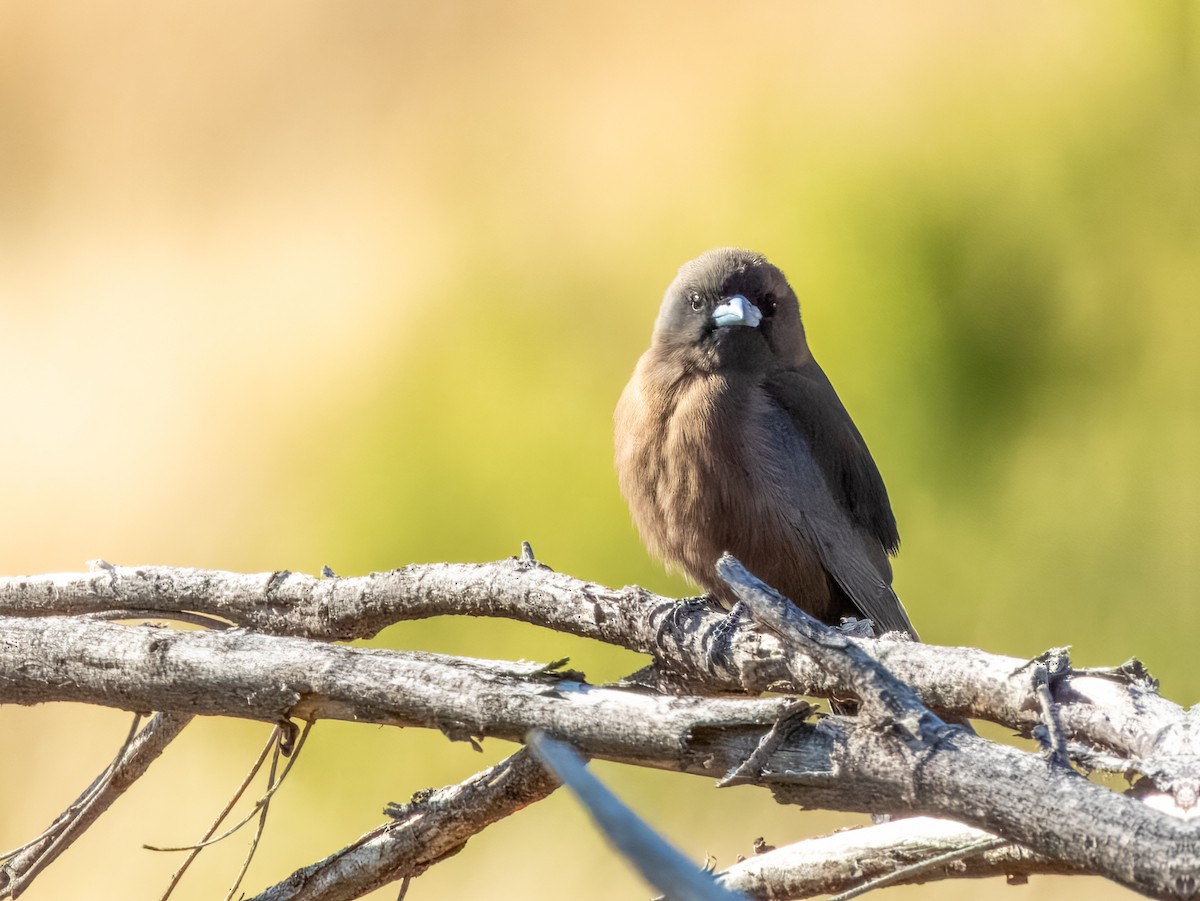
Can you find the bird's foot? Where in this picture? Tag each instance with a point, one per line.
(1047, 671)
(720, 648)
(678, 618)
(856, 628)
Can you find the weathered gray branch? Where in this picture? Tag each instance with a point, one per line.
(430, 829)
(844, 860)
(274, 678)
(896, 758)
(1074, 827)
(1120, 714)
(836, 763)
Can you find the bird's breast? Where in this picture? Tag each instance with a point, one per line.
(697, 461)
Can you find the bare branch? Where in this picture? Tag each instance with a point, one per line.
(944, 782)
(838, 763)
(897, 758)
(273, 678)
(279, 741)
(1119, 711)
(842, 861)
(135, 758)
(433, 827)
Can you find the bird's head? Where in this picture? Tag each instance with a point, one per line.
(730, 309)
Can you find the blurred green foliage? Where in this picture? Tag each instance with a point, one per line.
(361, 287)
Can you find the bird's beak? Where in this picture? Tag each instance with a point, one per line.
(736, 310)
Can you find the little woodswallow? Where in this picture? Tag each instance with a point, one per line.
(729, 437)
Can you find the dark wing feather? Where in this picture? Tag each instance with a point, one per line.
(836, 496)
(816, 411)
(851, 566)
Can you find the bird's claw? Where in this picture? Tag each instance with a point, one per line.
(720, 647)
(678, 619)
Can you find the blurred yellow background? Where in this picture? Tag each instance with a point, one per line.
(293, 284)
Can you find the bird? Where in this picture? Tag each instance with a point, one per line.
(730, 437)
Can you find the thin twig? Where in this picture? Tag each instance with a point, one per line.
(433, 826)
(265, 806)
(86, 795)
(176, 616)
(135, 757)
(194, 850)
(907, 873)
(60, 836)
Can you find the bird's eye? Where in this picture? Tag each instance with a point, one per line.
(768, 304)
(697, 303)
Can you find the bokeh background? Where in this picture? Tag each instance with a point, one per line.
(288, 284)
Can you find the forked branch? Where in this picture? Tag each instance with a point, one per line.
(1033, 813)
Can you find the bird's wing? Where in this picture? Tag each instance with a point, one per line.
(849, 562)
(822, 497)
(816, 412)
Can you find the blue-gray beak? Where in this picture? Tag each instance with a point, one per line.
(737, 310)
